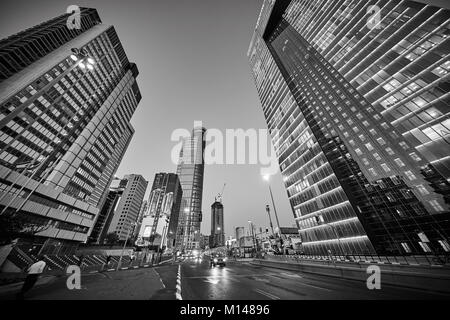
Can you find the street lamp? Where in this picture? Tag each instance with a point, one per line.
(267, 178)
(255, 244)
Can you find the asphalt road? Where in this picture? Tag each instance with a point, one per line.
(243, 281)
(235, 281)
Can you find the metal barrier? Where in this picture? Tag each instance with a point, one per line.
(433, 260)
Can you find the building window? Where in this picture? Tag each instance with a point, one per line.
(410, 175)
(436, 206)
(425, 246)
(422, 190)
(406, 247)
(445, 245)
(399, 162)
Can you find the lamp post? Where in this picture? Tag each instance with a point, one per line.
(267, 178)
(270, 218)
(255, 244)
(132, 225)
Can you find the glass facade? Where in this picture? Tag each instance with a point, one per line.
(128, 207)
(190, 171)
(217, 225)
(356, 181)
(64, 128)
(163, 202)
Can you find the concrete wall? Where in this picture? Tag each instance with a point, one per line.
(433, 278)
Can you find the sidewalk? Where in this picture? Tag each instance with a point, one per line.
(15, 287)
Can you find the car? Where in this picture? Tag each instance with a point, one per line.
(218, 261)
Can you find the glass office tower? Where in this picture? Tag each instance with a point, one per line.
(163, 203)
(66, 100)
(190, 171)
(358, 180)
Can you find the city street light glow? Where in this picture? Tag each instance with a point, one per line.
(73, 57)
(82, 65)
(90, 67)
(266, 177)
(91, 61)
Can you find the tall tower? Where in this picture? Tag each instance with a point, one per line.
(217, 225)
(163, 209)
(358, 114)
(66, 100)
(128, 208)
(190, 171)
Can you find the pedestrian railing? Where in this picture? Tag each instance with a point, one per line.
(430, 260)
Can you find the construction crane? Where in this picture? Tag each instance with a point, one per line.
(219, 196)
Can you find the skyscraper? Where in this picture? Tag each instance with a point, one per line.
(104, 218)
(217, 225)
(190, 171)
(357, 178)
(240, 232)
(66, 100)
(163, 203)
(126, 213)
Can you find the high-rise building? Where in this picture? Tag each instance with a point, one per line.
(217, 225)
(163, 203)
(240, 232)
(358, 114)
(104, 218)
(204, 241)
(142, 213)
(190, 171)
(126, 213)
(66, 100)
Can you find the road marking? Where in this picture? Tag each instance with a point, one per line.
(111, 269)
(269, 295)
(135, 267)
(178, 293)
(291, 275)
(260, 279)
(213, 281)
(311, 285)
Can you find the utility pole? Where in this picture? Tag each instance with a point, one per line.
(124, 245)
(270, 218)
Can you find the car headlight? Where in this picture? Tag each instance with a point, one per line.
(215, 260)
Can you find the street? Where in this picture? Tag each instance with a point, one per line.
(235, 281)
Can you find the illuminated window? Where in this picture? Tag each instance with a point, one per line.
(410, 175)
(399, 162)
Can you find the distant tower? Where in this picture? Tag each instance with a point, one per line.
(217, 225)
(190, 170)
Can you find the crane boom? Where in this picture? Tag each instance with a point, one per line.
(219, 196)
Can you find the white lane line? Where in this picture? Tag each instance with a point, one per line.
(178, 293)
(160, 279)
(291, 275)
(311, 285)
(268, 295)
